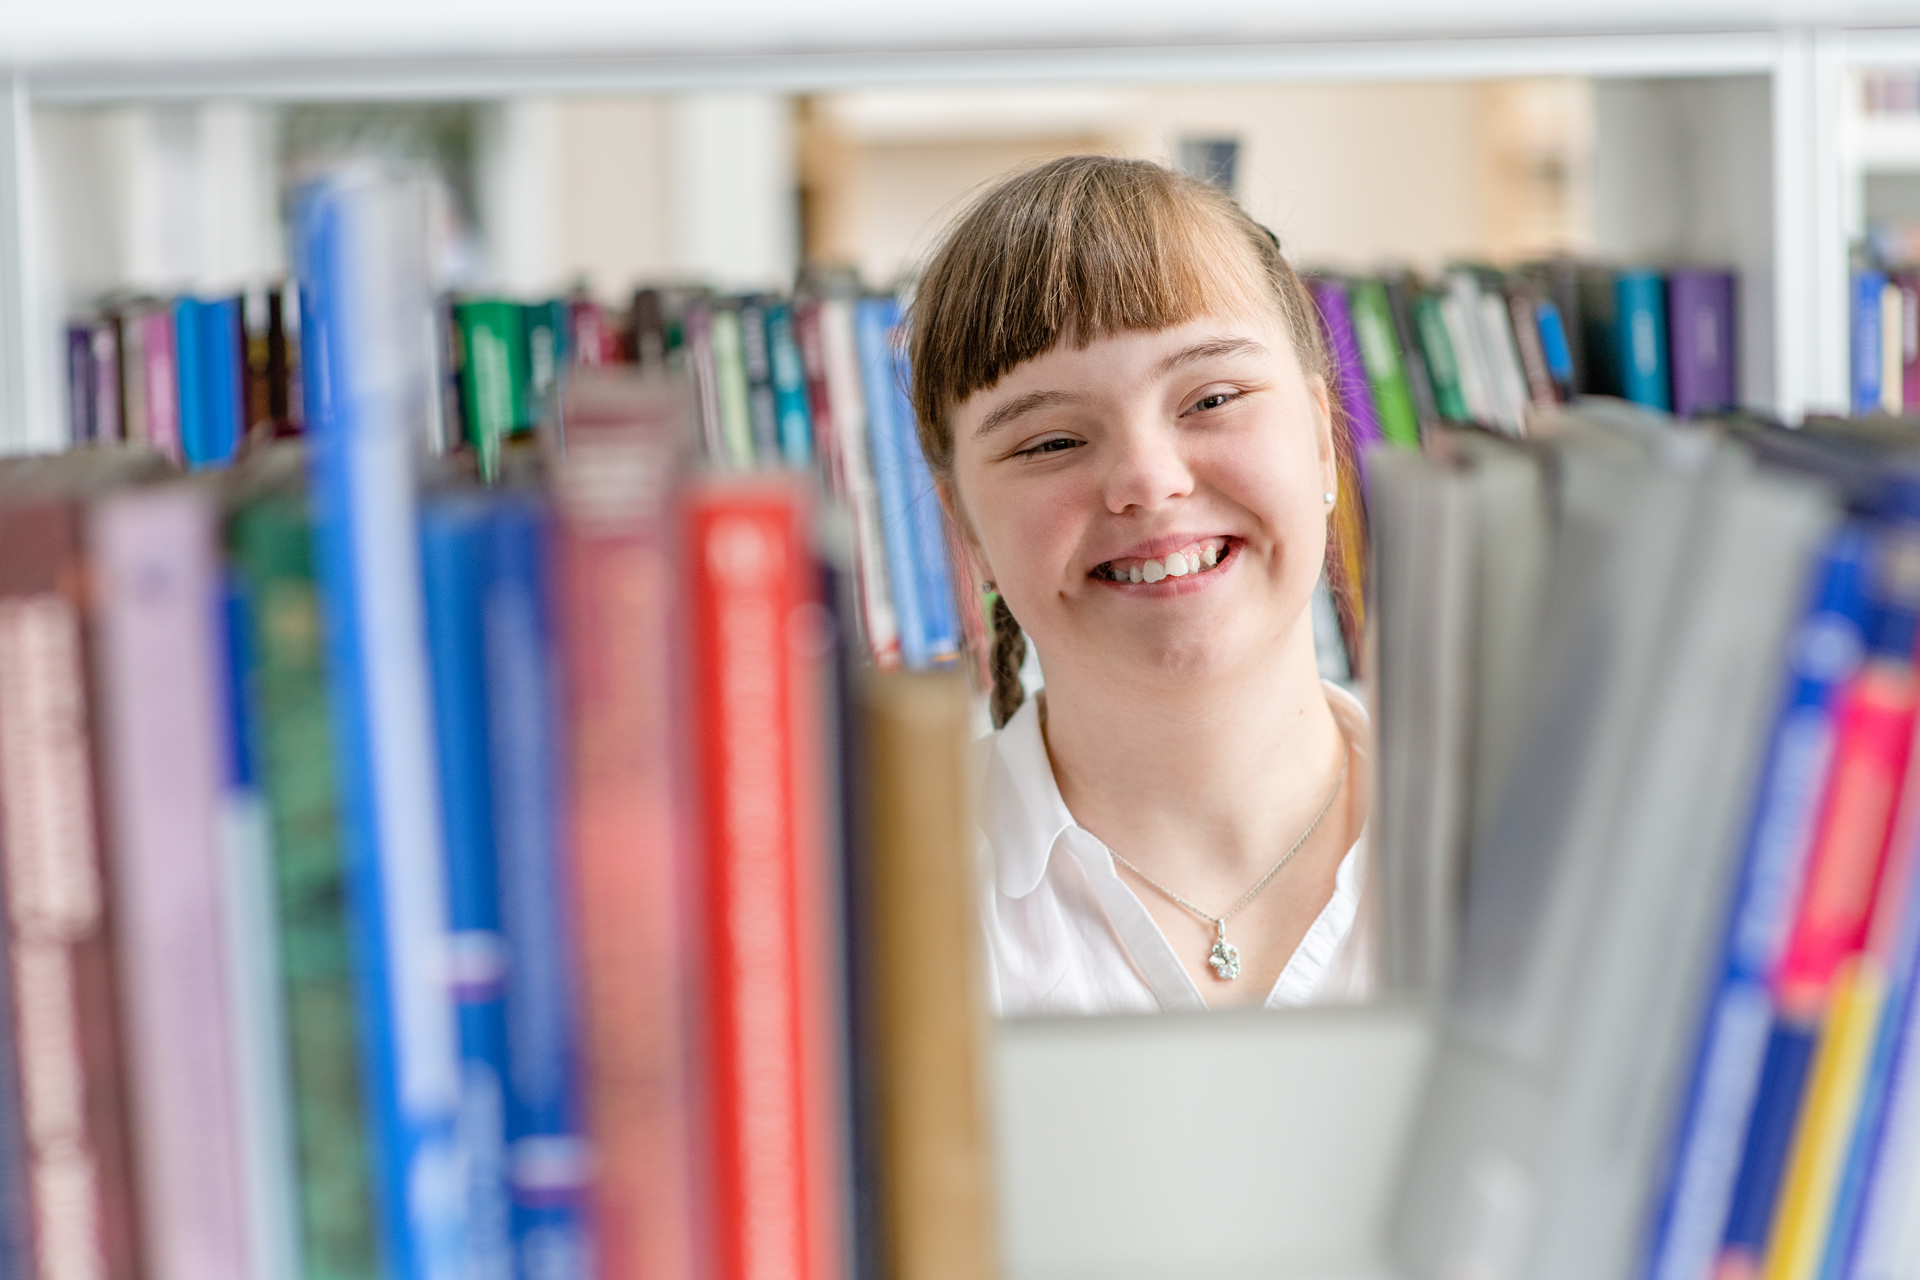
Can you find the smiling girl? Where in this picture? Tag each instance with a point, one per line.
(1123, 393)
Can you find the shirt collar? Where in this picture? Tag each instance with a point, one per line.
(1023, 814)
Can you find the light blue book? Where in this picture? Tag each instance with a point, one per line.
(456, 563)
(547, 1156)
(1867, 287)
(361, 251)
(792, 415)
(930, 553)
(874, 321)
(190, 380)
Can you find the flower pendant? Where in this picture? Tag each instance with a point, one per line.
(1225, 957)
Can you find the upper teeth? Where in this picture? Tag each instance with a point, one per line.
(1179, 564)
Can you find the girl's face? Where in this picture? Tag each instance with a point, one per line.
(1152, 506)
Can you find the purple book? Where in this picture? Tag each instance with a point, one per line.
(1349, 375)
(1701, 336)
(79, 382)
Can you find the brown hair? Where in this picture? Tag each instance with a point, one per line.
(1077, 249)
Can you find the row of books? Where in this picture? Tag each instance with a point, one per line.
(1647, 703)
(415, 878)
(1495, 348)
(1886, 341)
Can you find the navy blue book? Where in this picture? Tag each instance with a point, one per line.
(1640, 320)
(547, 1155)
(457, 570)
(874, 321)
(1693, 1199)
(361, 250)
(930, 551)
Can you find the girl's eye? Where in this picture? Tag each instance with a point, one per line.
(1211, 401)
(1058, 445)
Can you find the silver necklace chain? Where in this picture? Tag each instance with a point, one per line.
(1226, 958)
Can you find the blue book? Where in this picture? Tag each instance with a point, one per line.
(190, 376)
(1867, 287)
(547, 1155)
(930, 554)
(360, 248)
(874, 321)
(456, 567)
(223, 388)
(1553, 345)
(1640, 319)
(1693, 1199)
(1871, 1217)
(791, 411)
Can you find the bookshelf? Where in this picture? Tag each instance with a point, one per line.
(1739, 128)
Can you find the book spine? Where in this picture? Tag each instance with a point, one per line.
(590, 338)
(789, 387)
(223, 378)
(133, 378)
(1349, 374)
(1691, 1212)
(1556, 349)
(1442, 366)
(875, 319)
(768, 1117)
(1909, 342)
(273, 548)
(617, 602)
(1877, 1240)
(80, 383)
(1795, 1243)
(819, 390)
(493, 376)
(1866, 340)
(1700, 309)
(1380, 354)
(364, 287)
(455, 538)
(1641, 326)
(153, 553)
(190, 374)
(756, 357)
(60, 964)
(1503, 358)
(543, 326)
(931, 545)
(732, 397)
(1458, 316)
(1402, 292)
(162, 387)
(703, 368)
(547, 1157)
(107, 413)
(1890, 380)
(1525, 319)
(1596, 290)
(1768, 1140)
(840, 350)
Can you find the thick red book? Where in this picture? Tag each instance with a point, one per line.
(767, 927)
(59, 954)
(626, 435)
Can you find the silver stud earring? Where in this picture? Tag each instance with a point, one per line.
(1329, 497)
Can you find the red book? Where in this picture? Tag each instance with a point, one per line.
(625, 437)
(772, 1123)
(59, 954)
(813, 361)
(1872, 742)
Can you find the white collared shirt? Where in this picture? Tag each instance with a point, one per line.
(1066, 935)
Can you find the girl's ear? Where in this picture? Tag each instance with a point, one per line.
(1329, 454)
(957, 518)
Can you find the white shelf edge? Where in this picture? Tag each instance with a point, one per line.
(1652, 55)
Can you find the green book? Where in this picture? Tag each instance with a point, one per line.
(730, 378)
(494, 382)
(1443, 370)
(1380, 353)
(273, 554)
(545, 325)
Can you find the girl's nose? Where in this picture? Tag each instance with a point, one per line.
(1148, 468)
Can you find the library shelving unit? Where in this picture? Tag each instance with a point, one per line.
(1233, 1146)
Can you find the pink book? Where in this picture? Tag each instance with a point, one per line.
(164, 718)
(162, 381)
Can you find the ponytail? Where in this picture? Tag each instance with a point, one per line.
(1009, 654)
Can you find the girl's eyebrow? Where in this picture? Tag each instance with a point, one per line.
(1210, 349)
(1003, 414)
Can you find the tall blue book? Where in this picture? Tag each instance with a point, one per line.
(456, 565)
(361, 251)
(930, 553)
(1866, 338)
(547, 1156)
(223, 385)
(789, 387)
(190, 380)
(1640, 319)
(874, 321)
(1692, 1200)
